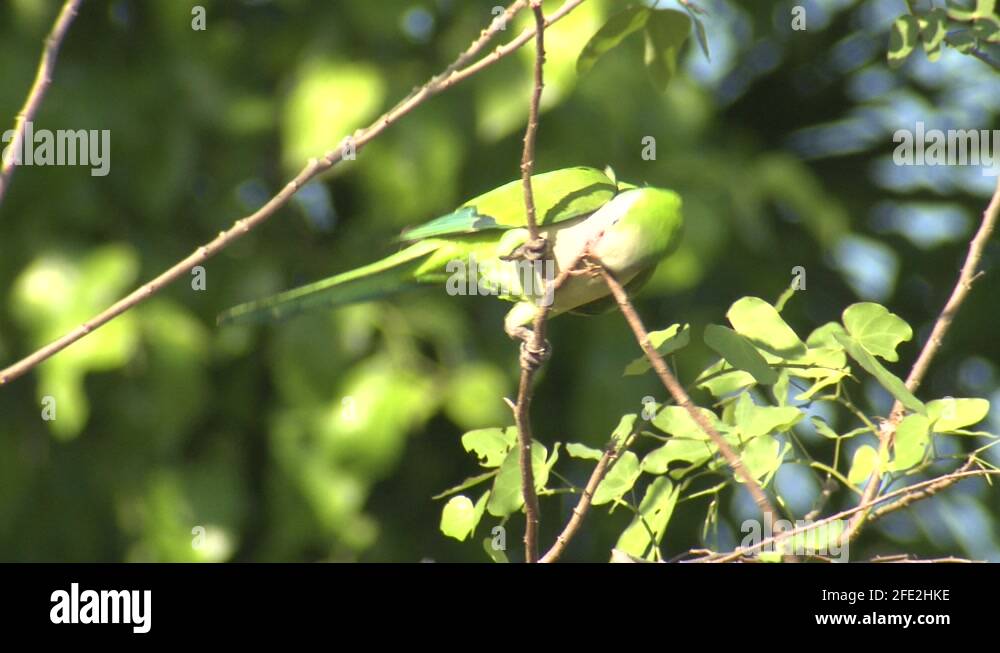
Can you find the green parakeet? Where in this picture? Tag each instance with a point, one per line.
(474, 250)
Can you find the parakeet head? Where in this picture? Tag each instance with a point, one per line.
(645, 226)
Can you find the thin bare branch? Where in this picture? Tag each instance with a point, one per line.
(612, 453)
(905, 558)
(522, 415)
(43, 79)
(939, 484)
(916, 488)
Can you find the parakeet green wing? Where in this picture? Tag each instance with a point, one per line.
(559, 195)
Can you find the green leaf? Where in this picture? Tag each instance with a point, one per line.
(619, 480)
(958, 11)
(724, 380)
(832, 378)
(689, 450)
(699, 30)
(496, 555)
(624, 428)
(824, 337)
(762, 456)
(617, 28)
(886, 378)
(780, 389)
(582, 451)
(902, 39)
(665, 342)
(876, 329)
(739, 352)
(754, 420)
(507, 497)
(677, 421)
(542, 466)
(466, 484)
(950, 414)
(912, 438)
(863, 464)
(666, 31)
(761, 323)
(655, 509)
(823, 428)
(459, 516)
(933, 29)
(490, 445)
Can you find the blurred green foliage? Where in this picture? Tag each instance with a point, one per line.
(324, 438)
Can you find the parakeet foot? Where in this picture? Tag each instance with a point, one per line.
(534, 358)
(530, 250)
(536, 250)
(530, 356)
(586, 268)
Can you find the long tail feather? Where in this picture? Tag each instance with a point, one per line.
(385, 277)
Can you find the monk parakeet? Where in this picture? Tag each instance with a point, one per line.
(477, 249)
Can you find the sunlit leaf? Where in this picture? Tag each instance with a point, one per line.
(912, 438)
(458, 517)
(761, 323)
(762, 456)
(864, 463)
(490, 445)
(754, 420)
(624, 428)
(676, 449)
(951, 414)
(876, 329)
(677, 421)
(582, 451)
(886, 379)
(666, 342)
(619, 480)
(722, 379)
(655, 510)
(739, 352)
